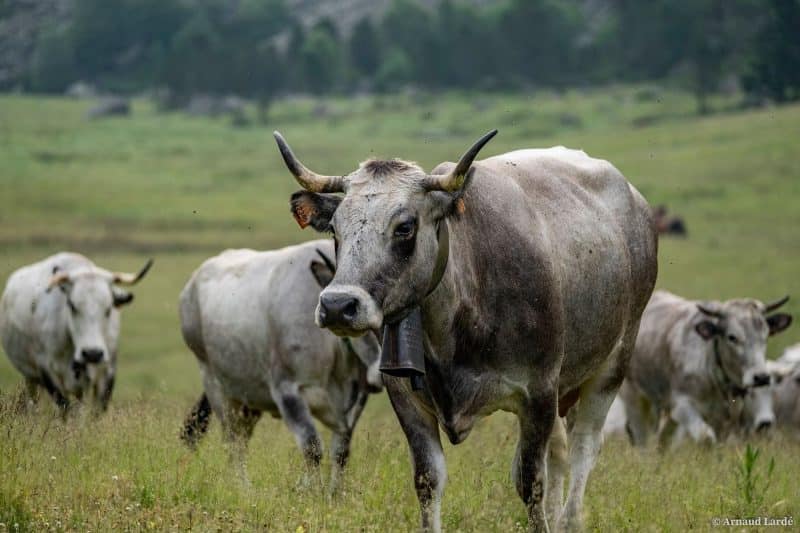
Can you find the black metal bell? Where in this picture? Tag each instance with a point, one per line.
(403, 353)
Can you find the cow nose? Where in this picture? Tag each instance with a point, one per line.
(92, 355)
(760, 380)
(763, 426)
(337, 309)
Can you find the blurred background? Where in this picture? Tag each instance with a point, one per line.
(266, 49)
(142, 128)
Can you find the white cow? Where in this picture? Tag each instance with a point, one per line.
(786, 390)
(248, 317)
(60, 323)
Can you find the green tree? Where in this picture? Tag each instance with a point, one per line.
(469, 48)
(395, 71)
(365, 48)
(774, 69)
(409, 27)
(539, 40)
(194, 52)
(113, 40)
(53, 62)
(322, 61)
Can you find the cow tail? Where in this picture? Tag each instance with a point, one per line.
(196, 423)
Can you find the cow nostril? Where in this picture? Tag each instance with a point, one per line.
(92, 355)
(337, 309)
(350, 309)
(764, 425)
(759, 380)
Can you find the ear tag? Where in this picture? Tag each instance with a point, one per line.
(402, 353)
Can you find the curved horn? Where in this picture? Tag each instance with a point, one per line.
(326, 260)
(57, 279)
(770, 307)
(455, 180)
(708, 311)
(126, 278)
(310, 181)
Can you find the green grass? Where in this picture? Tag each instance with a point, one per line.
(181, 189)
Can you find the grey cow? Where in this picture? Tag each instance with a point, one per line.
(530, 270)
(786, 390)
(699, 369)
(60, 323)
(248, 317)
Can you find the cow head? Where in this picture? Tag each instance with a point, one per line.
(91, 298)
(739, 330)
(386, 234)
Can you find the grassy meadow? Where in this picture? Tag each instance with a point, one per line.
(180, 189)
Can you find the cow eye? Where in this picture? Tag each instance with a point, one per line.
(733, 339)
(108, 312)
(72, 307)
(404, 229)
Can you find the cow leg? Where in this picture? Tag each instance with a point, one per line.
(422, 432)
(685, 415)
(340, 442)
(297, 417)
(238, 422)
(529, 470)
(106, 390)
(668, 433)
(29, 397)
(557, 465)
(61, 401)
(638, 414)
(585, 439)
(196, 424)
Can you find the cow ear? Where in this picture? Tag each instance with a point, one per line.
(778, 322)
(707, 329)
(321, 272)
(314, 209)
(121, 297)
(451, 203)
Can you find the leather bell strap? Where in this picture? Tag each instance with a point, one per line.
(442, 256)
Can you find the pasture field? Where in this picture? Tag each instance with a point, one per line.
(180, 189)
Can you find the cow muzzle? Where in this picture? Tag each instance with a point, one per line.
(348, 311)
(764, 424)
(92, 355)
(761, 380)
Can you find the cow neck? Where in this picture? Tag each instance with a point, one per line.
(720, 376)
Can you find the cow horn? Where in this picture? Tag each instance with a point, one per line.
(126, 278)
(310, 181)
(57, 279)
(770, 307)
(455, 180)
(326, 260)
(708, 311)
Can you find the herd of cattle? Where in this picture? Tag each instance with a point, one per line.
(522, 282)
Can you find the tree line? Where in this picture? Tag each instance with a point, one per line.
(258, 48)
